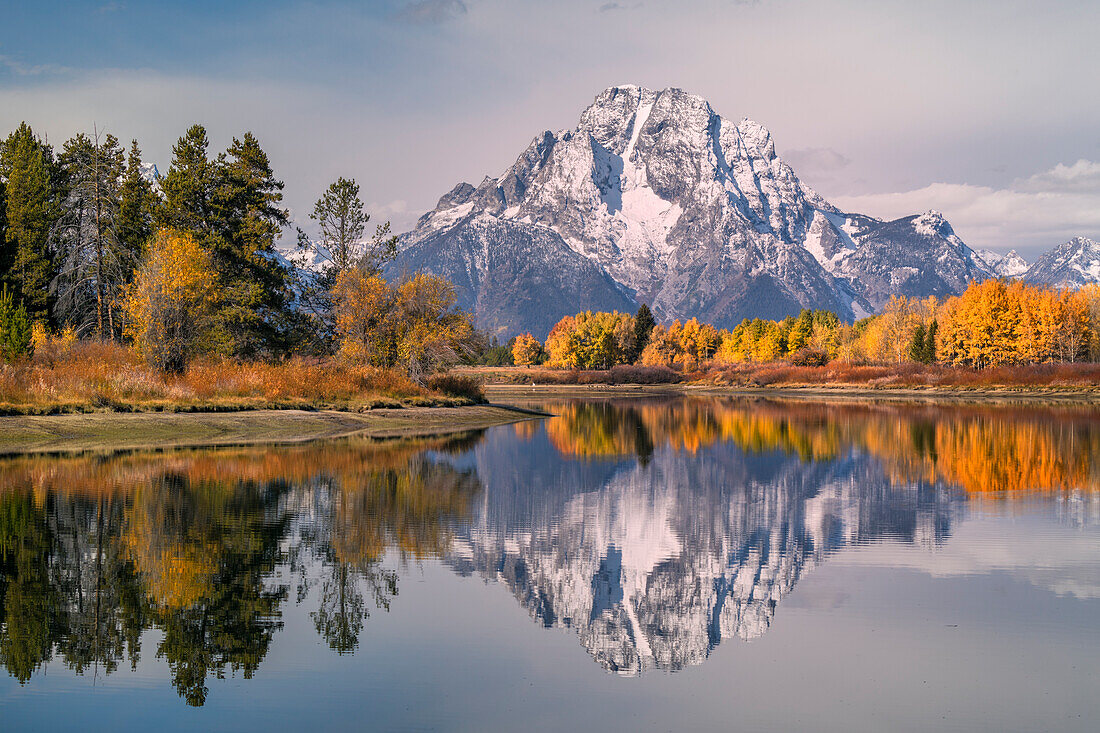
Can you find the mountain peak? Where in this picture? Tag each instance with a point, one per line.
(655, 198)
(932, 223)
(1074, 264)
(756, 137)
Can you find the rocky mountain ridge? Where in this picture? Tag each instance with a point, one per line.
(656, 198)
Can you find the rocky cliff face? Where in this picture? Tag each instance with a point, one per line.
(656, 198)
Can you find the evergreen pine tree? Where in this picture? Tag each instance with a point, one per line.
(917, 347)
(26, 167)
(247, 221)
(930, 343)
(189, 185)
(643, 329)
(5, 265)
(15, 327)
(135, 208)
(339, 213)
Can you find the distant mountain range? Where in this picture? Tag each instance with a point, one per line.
(655, 198)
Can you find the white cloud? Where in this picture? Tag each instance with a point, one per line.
(397, 213)
(815, 160)
(1032, 215)
(1061, 558)
(1084, 175)
(18, 68)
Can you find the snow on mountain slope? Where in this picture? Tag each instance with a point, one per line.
(1011, 265)
(1073, 264)
(655, 198)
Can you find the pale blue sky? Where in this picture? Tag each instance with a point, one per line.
(886, 107)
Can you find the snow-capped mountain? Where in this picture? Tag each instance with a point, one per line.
(655, 198)
(914, 256)
(1073, 264)
(1011, 265)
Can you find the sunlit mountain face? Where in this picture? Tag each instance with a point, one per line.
(654, 530)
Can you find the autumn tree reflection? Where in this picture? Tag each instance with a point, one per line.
(408, 508)
(987, 451)
(94, 551)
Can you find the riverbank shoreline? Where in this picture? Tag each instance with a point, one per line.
(1036, 396)
(125, 431)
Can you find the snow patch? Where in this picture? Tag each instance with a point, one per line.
(449, 216)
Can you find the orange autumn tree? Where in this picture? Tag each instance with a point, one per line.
(592, 340)
(995, 323)
(685, 344)
(415, 326)
(526, 350)
(170, 304)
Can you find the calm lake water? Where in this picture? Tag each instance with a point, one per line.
(665, 564)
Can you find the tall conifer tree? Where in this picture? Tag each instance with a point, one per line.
(643, 329)
(248, 219)
(25, 167)
(189, 185)
(135, 208)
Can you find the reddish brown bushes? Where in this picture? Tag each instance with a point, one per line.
(93, 375)
(457, 385)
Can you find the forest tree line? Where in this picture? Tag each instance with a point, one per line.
(93, 247)
(184, 266)
(992, 323)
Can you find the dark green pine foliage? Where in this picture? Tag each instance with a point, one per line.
(231, 205)
(27, 169)
(15, 327)
(255, 279)
(340, 216)
(189, 185)
(930, 342)
(5, 266)
(135, 208)
(917, 346)
(643, 329)
(922, 348)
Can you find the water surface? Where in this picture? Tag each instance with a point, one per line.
(662, 564)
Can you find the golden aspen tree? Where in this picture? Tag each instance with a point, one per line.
(365, 318)
(560, 344)
(170, 303)
(526, 350)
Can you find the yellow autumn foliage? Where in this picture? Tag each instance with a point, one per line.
(171, 300)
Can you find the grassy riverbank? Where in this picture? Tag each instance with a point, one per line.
(519, 394)
(130, 431)
(1055, 381)
(84, 377)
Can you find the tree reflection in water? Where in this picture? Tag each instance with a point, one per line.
(654, 529)
(95, 551)
(680, 523)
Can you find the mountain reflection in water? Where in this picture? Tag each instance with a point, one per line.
(653, 529)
